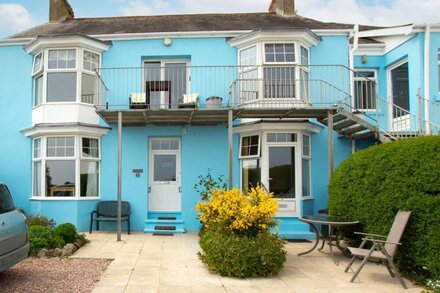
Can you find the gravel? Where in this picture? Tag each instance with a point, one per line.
(53, 275)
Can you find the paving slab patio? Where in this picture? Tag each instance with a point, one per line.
(146, 263)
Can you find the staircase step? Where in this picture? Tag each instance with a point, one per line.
(336, 118)
(344, 124)
(166, 218)
(363, 135)
(353, 130)
(297, 235)
(153, 231)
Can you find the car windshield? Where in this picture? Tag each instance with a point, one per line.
(6, 203)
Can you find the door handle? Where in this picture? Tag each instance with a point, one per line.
(149, 189)
(180, 189)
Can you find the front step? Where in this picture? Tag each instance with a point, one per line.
(293, 228)
(164, 224)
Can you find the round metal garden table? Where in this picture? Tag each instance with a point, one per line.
(331, 222)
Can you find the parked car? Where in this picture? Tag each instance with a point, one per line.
(14, 241)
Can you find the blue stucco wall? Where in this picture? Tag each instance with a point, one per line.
(412, 51)
(15, 107)
(203, 148)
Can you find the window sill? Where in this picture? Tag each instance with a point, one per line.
(64, 198)
(307, 198)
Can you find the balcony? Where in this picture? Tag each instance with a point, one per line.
(204, 94)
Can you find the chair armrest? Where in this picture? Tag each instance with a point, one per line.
(381, 241)
(94, 212)
(368, 234)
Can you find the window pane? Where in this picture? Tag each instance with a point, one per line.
(60, 147)
(306, 145)
(38, 63)
(281, 137)
(6, 203)
(62, 59)
(282, 171)
(305, 177)
(37, 179)
(88, 88)
(251, 174)
(90, 147)
(61, 87)
(91, 61)
(365, 94)
(248, 56)
(279, 53)
(279, 82)
(60, 178)
(304, 56)
(249, 146)
(38, 90)
(89, 178)
(37, 148)
(165, 168)
(165, 144)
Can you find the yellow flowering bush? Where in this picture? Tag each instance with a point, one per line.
(239, 212)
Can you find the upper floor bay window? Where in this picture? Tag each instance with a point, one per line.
(65, 166)
(58, 75)
(365, 89)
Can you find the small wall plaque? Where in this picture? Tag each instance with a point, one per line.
(138, 172)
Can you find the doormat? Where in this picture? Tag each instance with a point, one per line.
(159, 234)
(166, 228)
(167, 218)
(298, 241)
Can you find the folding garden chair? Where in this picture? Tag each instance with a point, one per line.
(381, 249)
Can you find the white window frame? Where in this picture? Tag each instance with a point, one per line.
(295, 53)
(304, 68)
(34, 160)
(77, 158)
(358, 78)
(258, 155)
(309, 159)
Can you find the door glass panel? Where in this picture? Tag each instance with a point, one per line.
(164, 167)
(400, 87)
(279, 82)
(282, 171)
(176, 73)
(152, 73)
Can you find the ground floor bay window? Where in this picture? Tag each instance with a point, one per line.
(65, 167)
(280, 161)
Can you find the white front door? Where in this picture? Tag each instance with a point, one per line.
(164, 180)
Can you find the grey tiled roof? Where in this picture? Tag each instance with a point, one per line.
(179, 23)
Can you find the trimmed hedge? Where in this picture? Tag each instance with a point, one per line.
(43, 237)
(67, 231)
(373, 184)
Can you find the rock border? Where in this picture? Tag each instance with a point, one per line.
(66, 251)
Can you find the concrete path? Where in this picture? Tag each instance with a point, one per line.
(147, 263)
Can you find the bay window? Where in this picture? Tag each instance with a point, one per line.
(64, 78)
(70, 165)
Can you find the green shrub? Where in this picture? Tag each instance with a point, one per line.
(38, 220)
(43, 237)
(238, 256)
(67, 232)
(373, 184)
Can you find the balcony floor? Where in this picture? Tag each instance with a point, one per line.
(141, 117)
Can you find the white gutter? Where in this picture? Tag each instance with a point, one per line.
(355, 35)
(427, 76)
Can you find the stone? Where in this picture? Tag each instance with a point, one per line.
(57, 252)
(77, 244)
(68, 250)
(49, 253)
(42, 253)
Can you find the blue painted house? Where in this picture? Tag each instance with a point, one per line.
(271, 98)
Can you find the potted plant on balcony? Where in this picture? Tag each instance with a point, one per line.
(214, 102)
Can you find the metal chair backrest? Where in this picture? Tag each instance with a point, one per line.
(109, 208)
(396, 232)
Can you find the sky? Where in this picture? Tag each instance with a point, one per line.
(18, 15)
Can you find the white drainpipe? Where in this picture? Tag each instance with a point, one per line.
(352, 51)
(426, 77)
